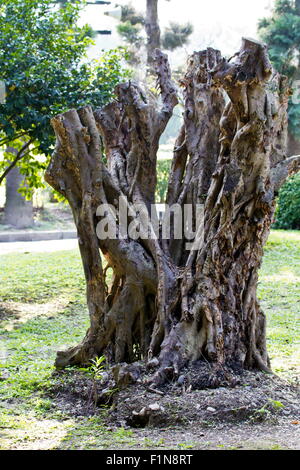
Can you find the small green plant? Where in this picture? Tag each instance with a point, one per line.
(97, 367)
(277, 405)
(260, 415)
(96, 371)
(267, 412)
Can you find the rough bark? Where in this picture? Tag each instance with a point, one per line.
(167, 305)
(18, 212)
(293, 145)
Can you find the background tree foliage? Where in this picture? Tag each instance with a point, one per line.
(176, 35)
(44, 67)
(131, 29)
(281, 31)
(163, 171)
(288, 208)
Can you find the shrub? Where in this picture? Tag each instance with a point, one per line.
(287, 214)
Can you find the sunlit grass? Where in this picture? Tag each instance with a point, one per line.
(279, 292)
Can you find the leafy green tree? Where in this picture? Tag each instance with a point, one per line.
(44, 66)
(281, 31)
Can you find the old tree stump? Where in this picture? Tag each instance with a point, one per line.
(168, 306)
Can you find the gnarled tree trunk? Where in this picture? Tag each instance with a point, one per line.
(166, 304)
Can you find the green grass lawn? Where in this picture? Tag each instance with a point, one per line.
(279, 293)
(42, 309)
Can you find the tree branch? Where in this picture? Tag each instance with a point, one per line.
(18, 157)
(167, 88)
(283, 170)
(9, 140)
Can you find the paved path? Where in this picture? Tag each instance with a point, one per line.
(39, 246)
(36, 235)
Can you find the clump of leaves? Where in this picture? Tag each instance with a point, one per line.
(267, 413)
(97, 367)
(96, 370)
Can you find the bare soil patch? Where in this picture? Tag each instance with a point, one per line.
(258, 412)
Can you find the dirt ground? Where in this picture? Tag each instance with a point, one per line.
(259, 412)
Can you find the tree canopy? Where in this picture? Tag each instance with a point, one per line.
(45, 70)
